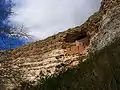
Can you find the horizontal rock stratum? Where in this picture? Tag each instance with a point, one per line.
(98, 68)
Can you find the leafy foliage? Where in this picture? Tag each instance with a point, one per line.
(11, 36)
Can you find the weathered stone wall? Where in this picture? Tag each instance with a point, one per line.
(80, 47)
(76, 50)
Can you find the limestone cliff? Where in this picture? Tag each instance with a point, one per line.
(97, 68)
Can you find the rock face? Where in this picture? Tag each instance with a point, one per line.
(109, 31)
(101, 69)
(108, 4)
(95, 69)
(31, 68)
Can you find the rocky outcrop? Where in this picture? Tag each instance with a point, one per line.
(31, 68)
(94, 69)
(108, 4)
(101, 68)
(109, 31)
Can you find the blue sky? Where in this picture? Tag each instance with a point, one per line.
(8, 41)
(43, 18)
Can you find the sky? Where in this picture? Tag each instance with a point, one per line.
(6, 40)
(43, 18)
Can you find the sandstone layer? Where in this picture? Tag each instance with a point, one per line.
(95, 69)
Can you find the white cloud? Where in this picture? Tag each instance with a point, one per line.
(47, 17)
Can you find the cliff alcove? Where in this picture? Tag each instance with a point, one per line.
(97, 69)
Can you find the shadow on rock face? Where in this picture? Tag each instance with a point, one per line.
(2, 87)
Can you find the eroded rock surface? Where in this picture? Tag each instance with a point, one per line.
(31, 68)
(48, 57)
(109, 31)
